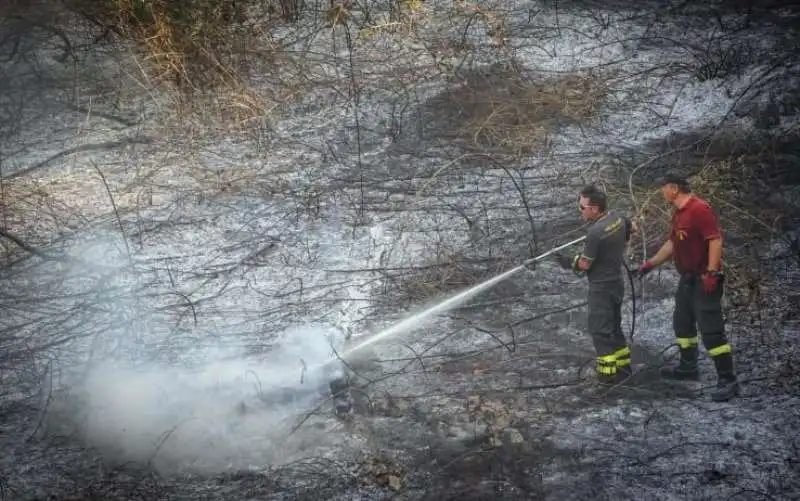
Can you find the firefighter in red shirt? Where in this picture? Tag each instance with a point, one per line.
(695, 246)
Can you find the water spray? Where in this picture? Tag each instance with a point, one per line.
(449, 303)
(339, 385)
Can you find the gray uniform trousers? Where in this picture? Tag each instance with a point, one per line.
(696, 308)
(605, 327)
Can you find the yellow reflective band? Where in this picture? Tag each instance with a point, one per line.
(687, 342)
(613, 226)
(622, 352)
(602, 369)
(720, 350)
(623, 362)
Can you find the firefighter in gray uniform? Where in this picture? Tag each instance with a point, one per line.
(602, 262)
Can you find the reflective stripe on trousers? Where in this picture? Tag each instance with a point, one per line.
(609, 364)
(686, 343)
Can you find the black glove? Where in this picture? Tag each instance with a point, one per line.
(564, 261)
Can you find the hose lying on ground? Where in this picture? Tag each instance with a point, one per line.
(633, 301)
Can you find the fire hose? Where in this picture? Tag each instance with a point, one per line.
(554, 250)
(630, 274)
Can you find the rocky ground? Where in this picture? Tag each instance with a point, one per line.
(172, 285)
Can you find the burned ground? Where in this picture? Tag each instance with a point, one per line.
(413, 154)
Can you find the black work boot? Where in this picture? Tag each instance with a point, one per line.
(685, 369)
(726, 390)
(607, 379)
(624, 374)
(727, 384)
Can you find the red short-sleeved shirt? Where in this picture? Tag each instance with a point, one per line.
(693, 225)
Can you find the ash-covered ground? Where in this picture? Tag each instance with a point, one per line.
(175, 289)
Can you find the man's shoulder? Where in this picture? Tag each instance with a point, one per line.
(611, 223)
(697, 204)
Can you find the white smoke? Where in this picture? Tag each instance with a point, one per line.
(232, 413)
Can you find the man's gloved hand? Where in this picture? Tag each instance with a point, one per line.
(711, 281)
(563, 261)
(644, 269)
(575, 269)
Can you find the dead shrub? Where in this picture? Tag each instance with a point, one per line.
(502, 111)
(195, 45)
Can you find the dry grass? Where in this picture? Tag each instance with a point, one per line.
(195, 46)
(235, 109)
(246, 105)
(497, 110)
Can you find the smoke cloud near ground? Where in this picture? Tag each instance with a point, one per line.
(227, 413)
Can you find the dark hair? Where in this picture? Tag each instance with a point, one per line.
(596, 196)
(680, 181)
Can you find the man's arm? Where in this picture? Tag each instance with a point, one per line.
(715, 254)
(708, 224)
(663, 254)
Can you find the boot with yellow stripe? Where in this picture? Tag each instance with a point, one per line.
(686, 368)
(727, 383)
(615, 368)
